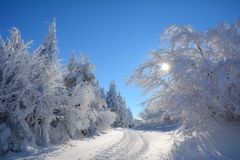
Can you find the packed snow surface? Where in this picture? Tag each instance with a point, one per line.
(113, 144)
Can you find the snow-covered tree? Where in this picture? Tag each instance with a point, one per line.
(51, 96)
(77, 116)
(202, 81)
(117, 104)
(129, 118)
(112, 97)
(85, 113)
(29, 93)
(195, 76)
(49, 46)
(106, 119)
(42, 104)
(124, 113)
(15, 92)
(49, 81)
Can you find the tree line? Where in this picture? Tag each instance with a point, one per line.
(43, 102)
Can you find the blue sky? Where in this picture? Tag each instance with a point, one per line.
(117, 35)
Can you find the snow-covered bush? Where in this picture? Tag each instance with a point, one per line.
(157, 117)
(106, 119)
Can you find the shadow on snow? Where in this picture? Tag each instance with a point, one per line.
(160, 128)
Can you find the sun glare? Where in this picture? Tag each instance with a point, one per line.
(165, 67)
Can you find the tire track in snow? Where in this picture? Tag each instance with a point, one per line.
(117, 144)
(104, 153)
(131, 146)
(115, 149)
(143, 148)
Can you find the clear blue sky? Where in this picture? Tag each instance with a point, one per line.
(116, 34)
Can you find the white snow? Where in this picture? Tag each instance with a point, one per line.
(113, 144)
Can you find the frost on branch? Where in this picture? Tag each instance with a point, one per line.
(201, 88)
(203, 82)
(43, 104)
(49, 45)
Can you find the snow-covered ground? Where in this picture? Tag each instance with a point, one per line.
(114, 144)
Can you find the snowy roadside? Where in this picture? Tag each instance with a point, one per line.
(114, 144)
(74, 149)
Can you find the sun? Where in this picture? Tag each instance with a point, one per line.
(165, 67)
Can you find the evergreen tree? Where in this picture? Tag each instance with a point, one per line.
(112, 97)
(39, 105)
(49, 46)
(117, 104)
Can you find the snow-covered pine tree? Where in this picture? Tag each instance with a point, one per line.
(77, 115)
(28, 95)
(49, 45)
(85, 114)
(117, 104)
(125, 114)
(112, 97)
(40, 107)
(129, 118)
(49, 81)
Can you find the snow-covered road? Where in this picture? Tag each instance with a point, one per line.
(115, 144)
(131, 145)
